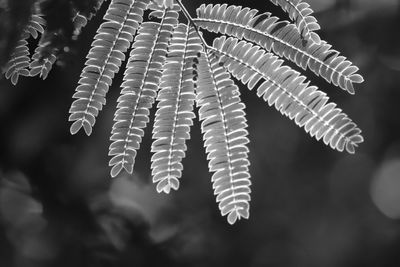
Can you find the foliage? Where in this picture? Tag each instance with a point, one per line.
(170, 62)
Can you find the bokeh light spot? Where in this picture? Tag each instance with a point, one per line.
(385, 189)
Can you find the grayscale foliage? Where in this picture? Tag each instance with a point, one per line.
(19, 61)
(141, 80)
(174, 115)
(112, 40)
(301, 13)
(283, 39)
(171, 64)
(41, 65)
(225, 137)
(289, 92)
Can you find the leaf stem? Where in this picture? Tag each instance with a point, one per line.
(190, 19)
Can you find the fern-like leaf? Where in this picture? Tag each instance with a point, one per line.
(113, 38)
(174, 116)
(19, 60)
(281, 38)
(224, 131)
(140, 86)
(81, 19)
(42, 60)
(288, 91)
(300, 12)
(46, 53)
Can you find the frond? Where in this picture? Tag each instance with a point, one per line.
(112, 40)
(81, 18)
(79, 21)
(35, 26)
(301, 13)
(19, 60)
(46, 54)
(225, 135)
(43, 59)
(287, 90)
(174, 115)
(281, 38)
(140, 86)
(172, 63)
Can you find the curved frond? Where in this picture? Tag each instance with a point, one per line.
(19, 60)
(301, 13)
(43, 59)
(225, 137)
(287, 90)
(112, 40)
(79, 21)
(281, 38)
(174, 115)
(141, 81)
(82, 17)
(46, 53)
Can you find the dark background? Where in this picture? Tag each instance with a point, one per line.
(311, 206)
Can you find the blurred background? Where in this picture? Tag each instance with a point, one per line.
(311, 206)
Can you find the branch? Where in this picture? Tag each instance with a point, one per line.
(190, 19)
